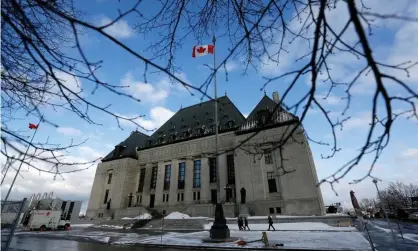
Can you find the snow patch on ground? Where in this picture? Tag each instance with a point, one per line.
(139, 217)
(177, 215)
(308, 240)
(109, 226)
(411, 237)
(143, 216)
(291, 239)
(81, 225)
(299, 226)
(180, 216)
(291, 216)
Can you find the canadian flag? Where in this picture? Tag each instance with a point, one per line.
(202, 50)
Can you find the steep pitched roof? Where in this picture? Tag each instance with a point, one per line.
(197, 121)
(267, 108)
(127, 148)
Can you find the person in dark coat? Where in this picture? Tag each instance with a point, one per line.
(240, 223)
(271, 223)
(246, 224)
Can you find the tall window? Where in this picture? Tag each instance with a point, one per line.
(154, 177)
(268, 157)
(106, 195)
(109, 178)
(231, 169)
(212, 170)
(182, 174)
(196, 174)
(141, 180)
(272, 182)
(167, 177)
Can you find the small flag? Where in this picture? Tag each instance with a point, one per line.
(33, 126)
(202, 50)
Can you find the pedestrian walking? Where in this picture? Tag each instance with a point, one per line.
(240, 223)
(270, 220)
(246, 224)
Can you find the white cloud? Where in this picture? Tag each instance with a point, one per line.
(410, 152)
(68, 131)
(157, 92)
(120, 29)
(231, 66)
(246, 115)
(90, 153)
(72, 83)
(144, 91)
(158, 116)
(330, 99)
(361, 120)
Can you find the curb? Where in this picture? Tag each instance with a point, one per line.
(163, 246)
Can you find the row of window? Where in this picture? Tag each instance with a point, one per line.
(196, 181)
(196, 178)
(196, 194)
(197, 168)
(196, 173)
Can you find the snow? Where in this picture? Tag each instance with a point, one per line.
(299, 226)
(308, 240)
(139, 217)
(81, 225)
(177, 215)
(143, 216)
(109, 226)
(291, 216)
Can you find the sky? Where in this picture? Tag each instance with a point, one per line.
(393, 41)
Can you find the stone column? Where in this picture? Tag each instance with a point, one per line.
(188, 186)
(204, 180)
(172, 200)
(147, 184)
(160, 184)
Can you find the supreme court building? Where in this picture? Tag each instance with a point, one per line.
(174, 168)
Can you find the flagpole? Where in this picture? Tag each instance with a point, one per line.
(218, 182)
(21, 163)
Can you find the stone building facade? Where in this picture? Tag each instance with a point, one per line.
(174, 169)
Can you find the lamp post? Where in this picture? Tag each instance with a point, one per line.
(219, 230)
(384, 210)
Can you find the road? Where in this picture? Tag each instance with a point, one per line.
(25, 243)
(382, 237)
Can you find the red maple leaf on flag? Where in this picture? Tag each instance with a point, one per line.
(32, 126)
(201, 49)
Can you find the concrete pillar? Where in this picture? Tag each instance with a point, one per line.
(188, 186)
(172, 200)
(147, 184)
(160, 184)
(204, 181)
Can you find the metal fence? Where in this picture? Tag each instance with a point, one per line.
(11, 213)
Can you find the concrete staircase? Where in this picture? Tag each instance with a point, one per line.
(177, 224)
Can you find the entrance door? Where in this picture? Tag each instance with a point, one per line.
(213, 195)
(151, 200)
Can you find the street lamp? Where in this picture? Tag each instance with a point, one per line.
(384, 210)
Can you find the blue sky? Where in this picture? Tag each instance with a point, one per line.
(160, 99)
